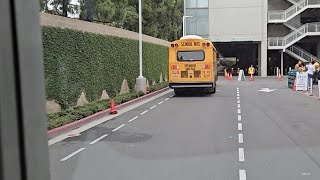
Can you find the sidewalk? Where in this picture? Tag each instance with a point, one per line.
(315, 92)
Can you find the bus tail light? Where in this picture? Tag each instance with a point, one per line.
(205, 66)
(172, 45)
(176, 45)
(175, 67)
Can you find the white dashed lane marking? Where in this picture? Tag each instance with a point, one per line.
(118, 127)
(144, 112)
(167, 99)
(98, 139)
(72, 154)
(133, 119)
(241, 155)
(242, 174)
(240, 138)
(240, 126)
(153, 106)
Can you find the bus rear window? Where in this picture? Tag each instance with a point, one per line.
(190, 55)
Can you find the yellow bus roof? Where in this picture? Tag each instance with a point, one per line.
(190, 37)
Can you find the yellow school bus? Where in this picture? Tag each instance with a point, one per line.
(192, 65)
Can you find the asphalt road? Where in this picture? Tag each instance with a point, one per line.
(234, 134)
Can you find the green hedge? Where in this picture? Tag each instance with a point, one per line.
(77, 61)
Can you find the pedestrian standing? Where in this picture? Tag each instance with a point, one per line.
(310, 71)
(251, 70)
(298, 65)
(316, 72)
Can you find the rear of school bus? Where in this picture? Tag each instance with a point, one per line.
(192, 65)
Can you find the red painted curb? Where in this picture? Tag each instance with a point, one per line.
(76, 124)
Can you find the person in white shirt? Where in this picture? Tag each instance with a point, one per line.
(310, 70)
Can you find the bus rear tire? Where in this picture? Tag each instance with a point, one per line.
(178, 91)
(212, 90)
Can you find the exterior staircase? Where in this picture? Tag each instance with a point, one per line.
(309, 29)
(298, 7)
(301, 54)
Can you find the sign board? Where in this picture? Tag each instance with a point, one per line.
(302, 81)
(241, 76)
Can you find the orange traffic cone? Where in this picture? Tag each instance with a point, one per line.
(230, 76)
(294, 87)
(279, 77)
(251, 78)
(113, 107)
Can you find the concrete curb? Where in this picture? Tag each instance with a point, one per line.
(76, 124)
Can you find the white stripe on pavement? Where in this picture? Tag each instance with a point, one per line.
(238, 98)
(144, 112)
(93, 142)
(118, 127)
(240, 138)
(72, 154)
(153, 106)
(167, 99)
(133, 119)
(242, 175)
(240, 126)
(239, 106)
(239, 117)
(160, 102)
(238, 101)
(241, 154)
(238, 95)
(239, 111)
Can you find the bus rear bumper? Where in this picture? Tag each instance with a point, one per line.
(191, 85)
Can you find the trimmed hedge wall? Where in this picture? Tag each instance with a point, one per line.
(78, 61)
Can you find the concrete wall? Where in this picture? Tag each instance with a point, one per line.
(235, 20)
(274, 5)
(62, 22)
(277, 30)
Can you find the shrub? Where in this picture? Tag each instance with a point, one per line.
(76, 61)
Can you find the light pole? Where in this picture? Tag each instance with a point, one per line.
(141, 82)
(184, 24)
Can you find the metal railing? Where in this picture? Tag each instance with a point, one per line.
(294, 36)
(302, 53)
(284, 14)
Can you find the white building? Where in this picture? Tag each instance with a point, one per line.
(265, 33)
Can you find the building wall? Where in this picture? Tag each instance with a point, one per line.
(234, 20)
